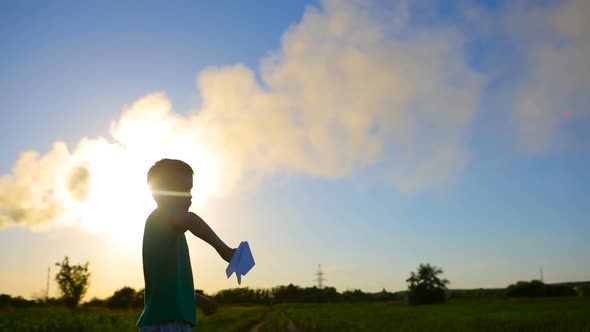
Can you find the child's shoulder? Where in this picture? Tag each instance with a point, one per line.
(155, 216)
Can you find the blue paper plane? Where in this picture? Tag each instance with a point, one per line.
(241, 263)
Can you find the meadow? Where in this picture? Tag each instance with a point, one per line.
(554, 314)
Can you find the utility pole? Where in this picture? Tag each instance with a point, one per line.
(47, 289)
(541, 270)
(320, 279)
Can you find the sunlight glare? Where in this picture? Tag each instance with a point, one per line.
(118, 198)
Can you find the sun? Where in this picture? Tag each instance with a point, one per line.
(118, 200)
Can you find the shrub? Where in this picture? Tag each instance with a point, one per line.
(536, 288)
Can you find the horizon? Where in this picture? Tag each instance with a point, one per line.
(369, 137)
(450, 289)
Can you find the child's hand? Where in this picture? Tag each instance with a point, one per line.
(206, 304)
(228, 254)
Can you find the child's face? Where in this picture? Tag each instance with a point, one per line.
(181, 184)
(185, 184)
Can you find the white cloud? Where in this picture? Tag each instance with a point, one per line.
(349, 85)
(29, 196)
(341, 91)
(556, 44)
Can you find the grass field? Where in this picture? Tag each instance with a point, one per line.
(228, 318)
(566, 314)
(524, 315)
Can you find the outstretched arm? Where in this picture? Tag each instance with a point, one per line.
(196, 225)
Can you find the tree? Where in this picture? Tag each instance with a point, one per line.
(425, 287)
(5, 300)
(73, 281)
(581, 290)
(536, 288)
(123, 298)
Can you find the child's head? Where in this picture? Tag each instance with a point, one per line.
(171, 182)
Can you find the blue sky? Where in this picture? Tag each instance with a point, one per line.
(467, 148)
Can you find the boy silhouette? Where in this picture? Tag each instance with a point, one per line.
(170, 298)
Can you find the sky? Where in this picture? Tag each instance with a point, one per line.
(365, 136)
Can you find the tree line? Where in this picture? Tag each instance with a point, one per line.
(425, 286)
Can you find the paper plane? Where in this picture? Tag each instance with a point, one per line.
(241, 263)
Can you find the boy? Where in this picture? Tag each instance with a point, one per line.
(170, 303)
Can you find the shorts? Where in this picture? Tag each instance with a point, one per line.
(168, 326)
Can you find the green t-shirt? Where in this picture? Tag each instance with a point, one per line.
(169, 289)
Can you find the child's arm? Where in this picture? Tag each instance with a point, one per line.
(192, 222)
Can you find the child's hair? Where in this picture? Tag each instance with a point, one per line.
(163, 171)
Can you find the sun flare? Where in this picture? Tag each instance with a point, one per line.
(115, 199)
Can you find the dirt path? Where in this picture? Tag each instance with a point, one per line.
(261, 323)
(291, 327)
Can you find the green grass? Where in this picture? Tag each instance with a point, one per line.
(571, 314)
(61, 319)
(227, 319)
(566, 314)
